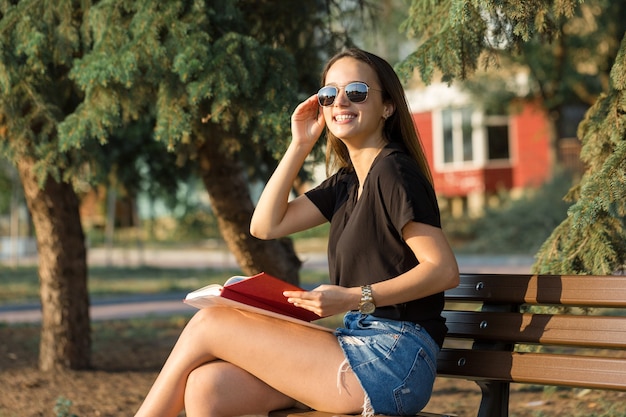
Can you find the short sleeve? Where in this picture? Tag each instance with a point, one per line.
(331, 193)
(406, 193)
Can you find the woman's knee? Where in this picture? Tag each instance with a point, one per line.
(202, 379)
(206, 321)
(213, 316)
(206, 314)
(202, 391)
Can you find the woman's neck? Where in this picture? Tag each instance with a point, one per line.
(363, 157)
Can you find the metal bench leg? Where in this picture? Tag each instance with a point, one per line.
(495, 399)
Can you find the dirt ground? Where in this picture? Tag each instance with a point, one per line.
(125, 364)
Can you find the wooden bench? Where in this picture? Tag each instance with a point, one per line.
(505, 329)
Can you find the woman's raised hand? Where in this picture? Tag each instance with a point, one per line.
(307, 122)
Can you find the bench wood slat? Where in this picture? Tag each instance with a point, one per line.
(587, 331)
(575, 290)
(298, 412)
(534, 368)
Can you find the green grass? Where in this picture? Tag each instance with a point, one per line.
(21, 284)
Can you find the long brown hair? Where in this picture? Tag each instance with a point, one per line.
(399, 127)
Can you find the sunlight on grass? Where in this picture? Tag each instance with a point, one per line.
(21, 285)
(149, 280)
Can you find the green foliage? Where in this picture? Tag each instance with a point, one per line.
(570, 70)
(456, 34)
(192, 61)
(222, 71)
(196, 225)
(447, 39)
(38, 42)
(62, 407)
(78, 73)
(592, 240)
(517, 225)
(6, 187)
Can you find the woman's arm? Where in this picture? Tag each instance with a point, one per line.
(275, 216)
(437, 270)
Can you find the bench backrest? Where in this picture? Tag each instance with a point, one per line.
(492, 333)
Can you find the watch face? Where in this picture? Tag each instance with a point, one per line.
(367, 307)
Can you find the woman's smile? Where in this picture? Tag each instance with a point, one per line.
(344, 117)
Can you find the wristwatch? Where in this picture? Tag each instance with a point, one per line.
(366, 306)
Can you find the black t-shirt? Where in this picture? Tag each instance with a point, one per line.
(365, 244)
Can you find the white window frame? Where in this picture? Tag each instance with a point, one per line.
(479, 124)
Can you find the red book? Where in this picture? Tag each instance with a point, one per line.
(261, 293)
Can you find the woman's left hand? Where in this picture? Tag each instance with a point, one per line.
(326, 300)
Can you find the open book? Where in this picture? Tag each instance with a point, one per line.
(261, 293)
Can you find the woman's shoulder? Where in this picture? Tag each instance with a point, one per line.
(338, 181)
(395, 164)
(344, 175)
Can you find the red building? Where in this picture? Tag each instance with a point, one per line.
(474, 155)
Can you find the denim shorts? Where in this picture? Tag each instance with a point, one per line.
(395, 362)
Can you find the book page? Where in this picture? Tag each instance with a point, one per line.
(235, 279)
(214, 289)
(209, 290)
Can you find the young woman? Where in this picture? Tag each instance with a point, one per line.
(389, 264)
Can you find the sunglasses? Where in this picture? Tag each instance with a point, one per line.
(356, 92)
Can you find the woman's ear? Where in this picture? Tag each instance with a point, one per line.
(388, 110)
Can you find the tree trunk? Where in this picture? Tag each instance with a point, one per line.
(65, 331)
(225, 180)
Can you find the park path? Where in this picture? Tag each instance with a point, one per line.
(138, 306)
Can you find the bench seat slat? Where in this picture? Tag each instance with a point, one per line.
(534, 368)
(587, 331)
(297, 412)
(574, 290)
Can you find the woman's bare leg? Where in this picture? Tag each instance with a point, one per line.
(298, 361)
(222, 389)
